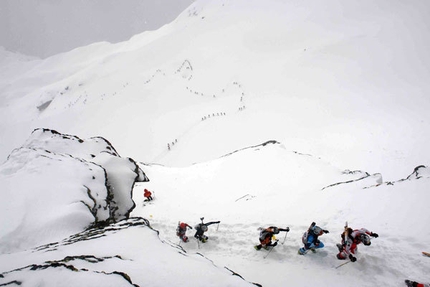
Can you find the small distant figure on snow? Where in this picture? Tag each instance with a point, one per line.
(181, 231)
(147, 194)
(310, 239)
(350, 239)
(201, 228)
(266, 236)
(411, 283)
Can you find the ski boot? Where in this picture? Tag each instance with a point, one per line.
(302, 251)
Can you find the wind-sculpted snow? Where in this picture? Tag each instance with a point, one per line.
(88, 263)
(64, 184)
(419, 172)
(366, 180)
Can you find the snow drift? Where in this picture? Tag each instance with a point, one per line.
(64, 184)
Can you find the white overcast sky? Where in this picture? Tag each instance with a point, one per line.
(46, 27)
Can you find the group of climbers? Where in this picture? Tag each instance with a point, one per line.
(347, 248)
(201, 228)
(350, 238)
(182, 227)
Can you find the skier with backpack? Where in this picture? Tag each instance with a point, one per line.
(201, 228)
(266, 235)
(350, 239)
(181, 231)
(310, 239)
(147, 194)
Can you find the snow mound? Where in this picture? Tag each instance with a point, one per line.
(63, 184)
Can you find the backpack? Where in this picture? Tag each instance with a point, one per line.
(266, 233)
(263, 235)
(181, 229)
(305, 237)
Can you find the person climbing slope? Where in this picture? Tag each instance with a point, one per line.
(181, 231)
(266, 235)
(350, 239)
(310, 239)
(147, 194)
(201, 228)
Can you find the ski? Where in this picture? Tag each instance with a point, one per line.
(426, 253)
(345, 230)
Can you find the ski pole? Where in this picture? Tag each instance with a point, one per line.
(342, 264)
(217, 227)
(269, 251)
(284, 238)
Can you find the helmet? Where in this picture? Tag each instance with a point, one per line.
(365, 239)
(183, 225)
(275, 230)
(317, 230)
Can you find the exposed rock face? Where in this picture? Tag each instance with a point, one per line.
(86, 182)
(367, 180)
(419, 171)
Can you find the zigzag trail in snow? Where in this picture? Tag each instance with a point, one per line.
(233, 90)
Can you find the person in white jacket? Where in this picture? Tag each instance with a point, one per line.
(350, 239)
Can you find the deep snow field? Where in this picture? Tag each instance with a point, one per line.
(255, 114)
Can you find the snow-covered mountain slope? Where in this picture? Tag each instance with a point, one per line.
(246, 189)
(337, 92)
(271, 185)
(65, 218)
(346, 81)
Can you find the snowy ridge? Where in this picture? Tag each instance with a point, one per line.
(117, 268)
(83, 180)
